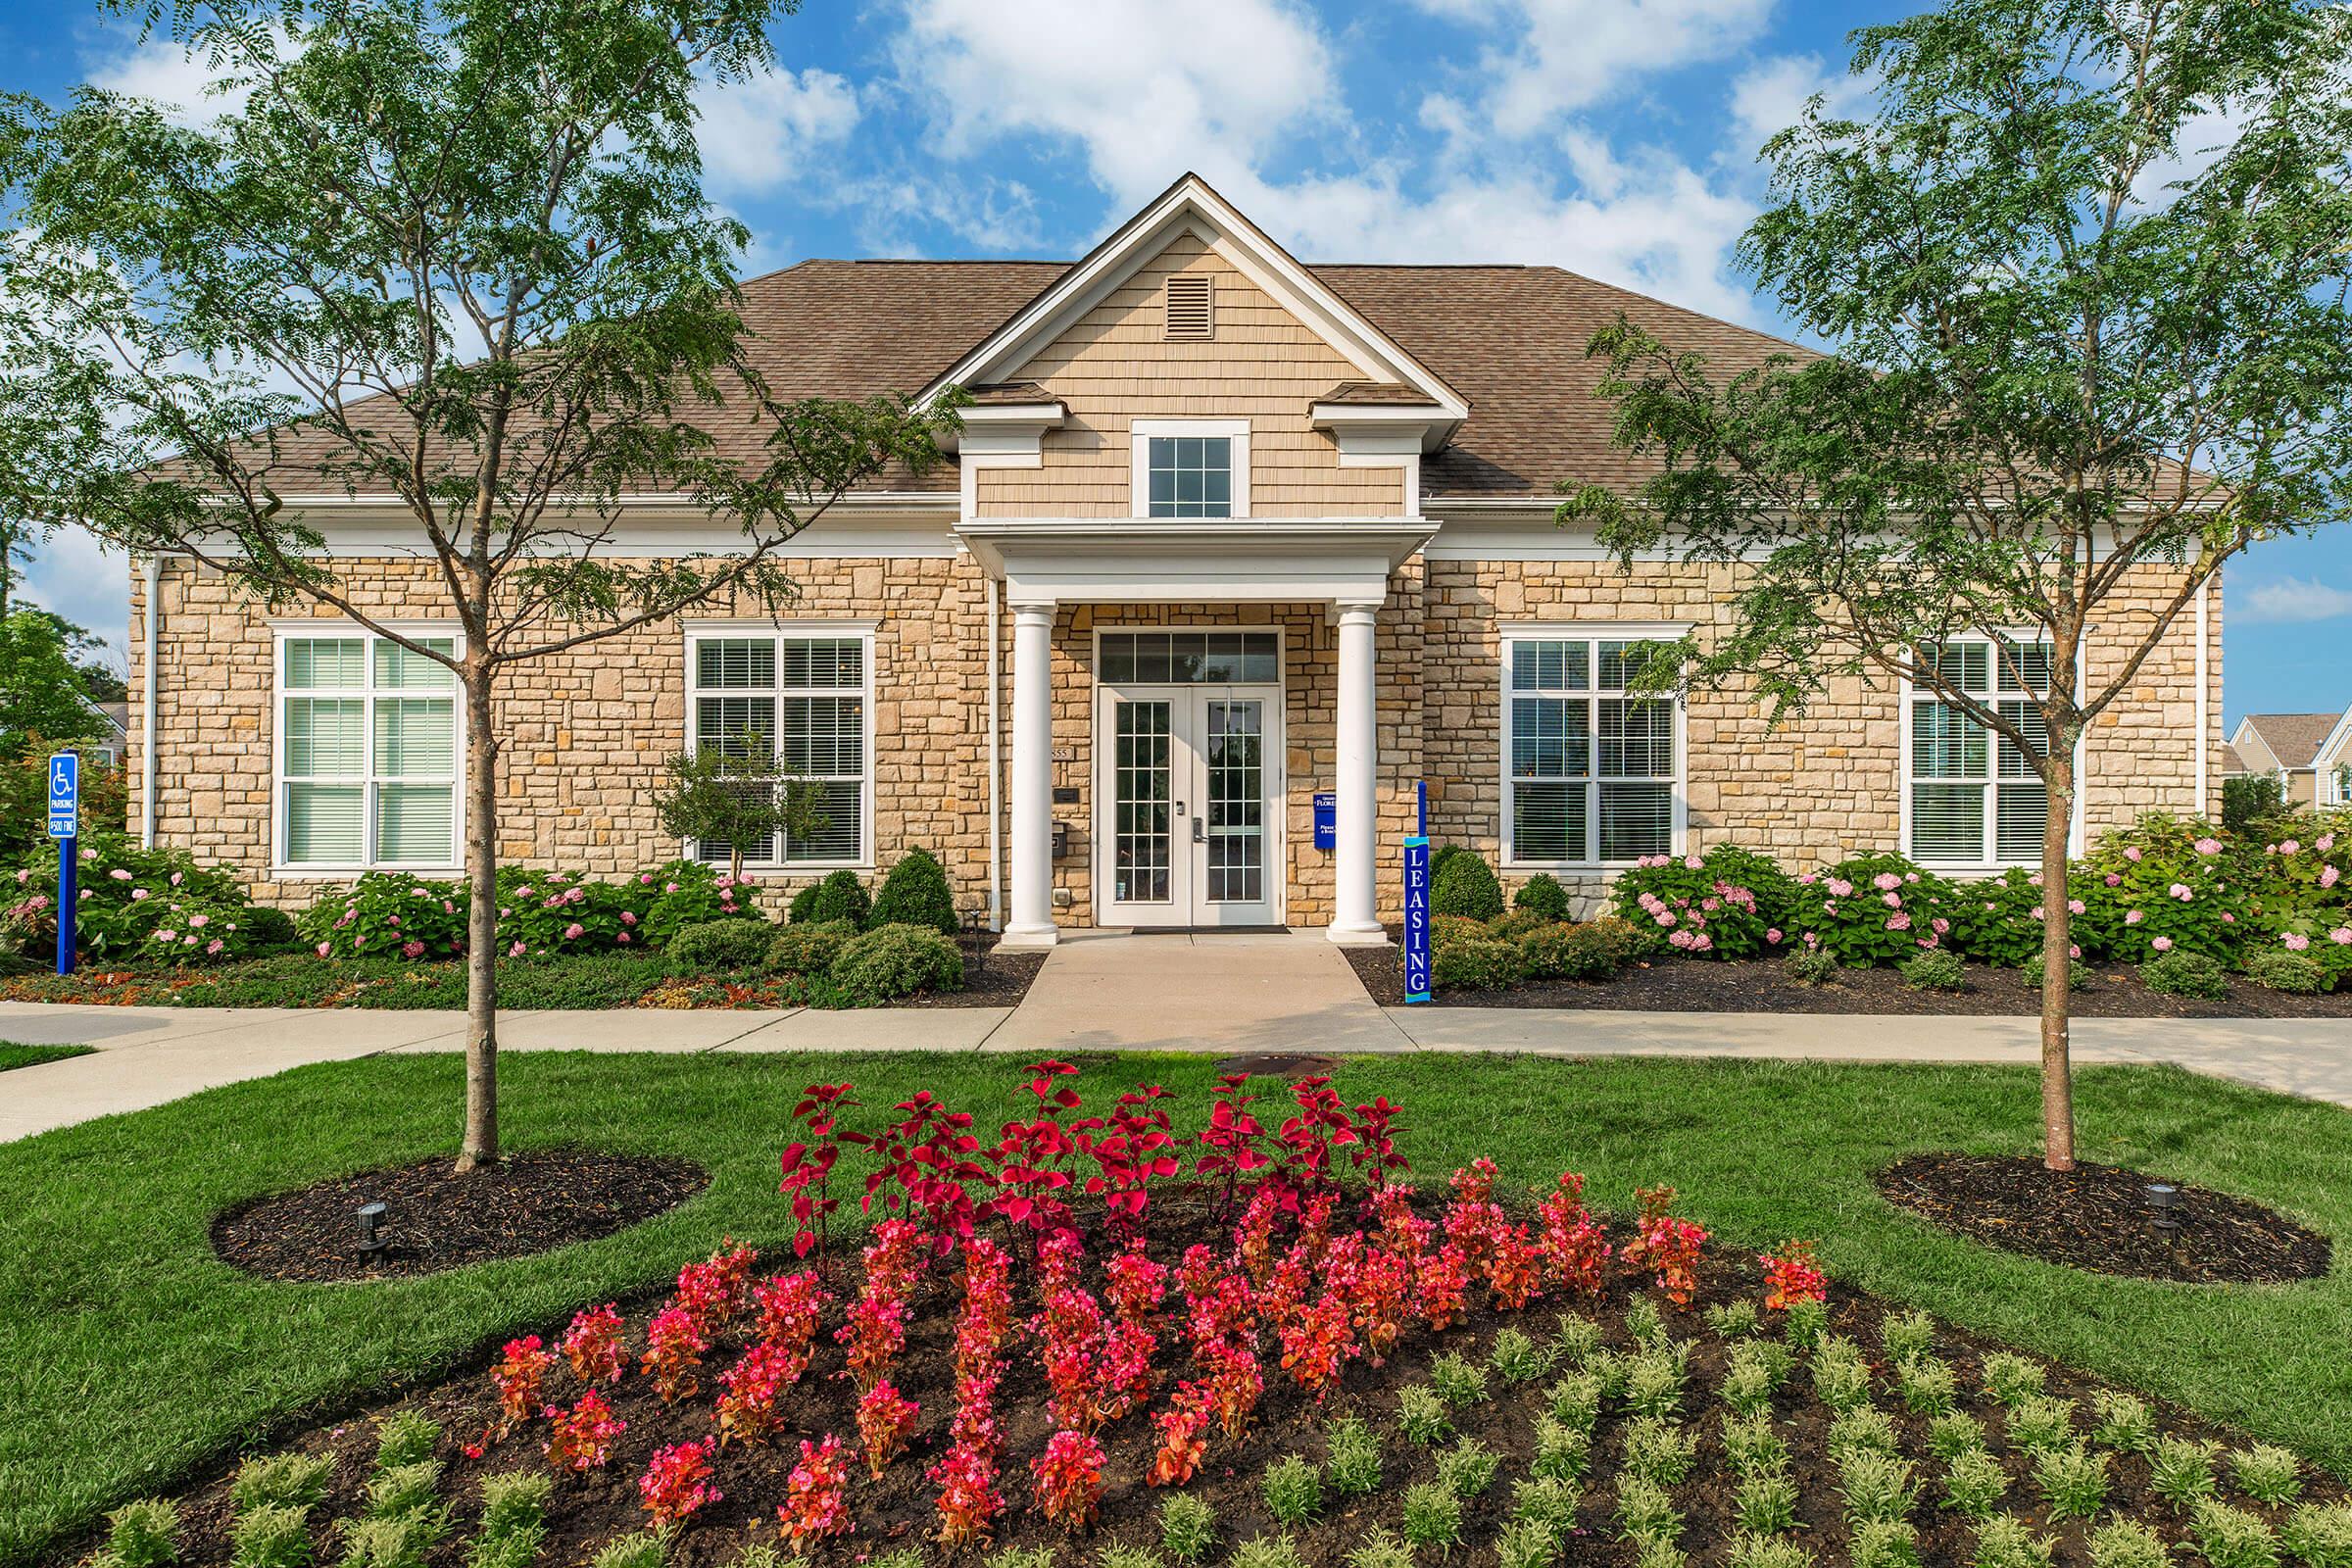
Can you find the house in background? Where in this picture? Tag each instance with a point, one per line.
(1222, 533)
(2310, 754)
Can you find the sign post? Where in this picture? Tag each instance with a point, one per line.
(65, 824)
(1416, 900)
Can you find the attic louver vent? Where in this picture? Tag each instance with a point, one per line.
(1189, 314)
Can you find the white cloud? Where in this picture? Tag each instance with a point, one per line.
(1769, 96)
(162, 69)
(1571, 55)
(84, 581)
(2294, 598)
(1143, 87)
(763, 134)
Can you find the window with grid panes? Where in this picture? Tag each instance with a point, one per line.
(1975, 798)
(1591, 771)
(803, 696)
(368, 753)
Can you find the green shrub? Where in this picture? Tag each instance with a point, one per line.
(1380, 1549)
(1907, 1336)
(2139, 915)
(2268, 1474)
(808, 949)
(399, 1490)
(1188, 1526)
(1863, 1429)
(513, 1520)
(680, 893)
(1351, 1457)
(270, 1535)
(2128, 1544)
(1754, 1447)
(2007, 1541)
(1929, 1387)
(2073, 1481)
(1647, 1514)
(283, 1480)
(1466, 886)
(1445, 930)
(1583, 951)
(1458, 1380)
(2124, 1423)
(719, 946)
(1266, 1551)
(1516, 1358)
(1805, 1322)
(1934, 969)
(142, 1535)
(1845, 910)
(648, 1548)
(1518, 925)
(1753, 1374)
(1883, 1544)
(1766, 1552)
(1548, 1501)
(1655, 1377)
(1766, 1502)
(1974, 1483)
(116, 915)
(1811, 966)
(1576, 1399)
(1113, 1555)
(838, 896)
(1476, 965)
(1421, 1415)
(2232, 1538)
(1842, 1381)
(2181, 1472)
(1433, 1516)
(547, 914)
(2181, 973)
(1998, 921)
(2079, 976)
(1660, 1451)
(1955, 1434)
(897, 960)
(916, 893)
(1542, 894)
(1874, 1485)
(404, 1541)
(2281, 971)
(406, 1438)
(387, 912)
(1293, 1490)
(1577, 1337)
(1525, 1545)
(1021, 1557)
(1563, 1453)
(2046, 1422)
(2011, 1378)
(1467, 1469)
(2320, 1535)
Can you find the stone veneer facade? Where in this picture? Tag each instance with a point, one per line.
(587, 730)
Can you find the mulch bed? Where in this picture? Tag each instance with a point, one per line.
(1704, 985)
(440, 1220)
(2098, 1217)
(897, 1510)
(992, 978)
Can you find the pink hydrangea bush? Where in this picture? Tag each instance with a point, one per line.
(126, 892)
(2165, 880)
(387, 914)
(1872, 909)
(1726, 904)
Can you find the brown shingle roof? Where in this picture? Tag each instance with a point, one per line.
(1012, 392)
(1511, 339)
(2293, 738)
(1379, 394)
(2232, 762)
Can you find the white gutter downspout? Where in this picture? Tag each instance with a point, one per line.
(2204, 700)
(995, 767)
(147, 682)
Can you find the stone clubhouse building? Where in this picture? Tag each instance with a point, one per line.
(1222, 532)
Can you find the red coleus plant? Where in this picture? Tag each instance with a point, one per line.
(519, 1375)
(581, 1437)
(809, 1162)
(885, 1423)
(678, 1483)
(1069, 1479)
(674, 1352)
(815, 1503)
(927, 1163)
(1373, 1151)
(592, 1345)
(1183, 1437)
(1314, 1136)
(968, 1504)
(1135, 1150)
(1033, 1156)
(1792, 1274)
(1233, 1140)
(751, 1392)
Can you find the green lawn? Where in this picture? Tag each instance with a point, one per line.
(14, 1055)
(132, 1355)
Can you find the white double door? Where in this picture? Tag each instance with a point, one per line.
(1187, 803)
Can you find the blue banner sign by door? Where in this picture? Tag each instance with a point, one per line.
(1416, 918)
(1327, 820)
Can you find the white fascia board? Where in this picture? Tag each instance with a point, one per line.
(1134, 561)
(2331, 750)
(1372, 428)
(1004, 427)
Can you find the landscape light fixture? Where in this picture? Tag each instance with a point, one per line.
(2164, 1202)
(371, 1229)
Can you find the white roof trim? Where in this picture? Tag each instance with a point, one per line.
(1190, 204)
(2337, 738)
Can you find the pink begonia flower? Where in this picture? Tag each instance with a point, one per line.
(2114, 880)
(2180, 890)
(2075, 905)
(2289, 846)
(2131, 854)
(2328, 875)
(325, 947)
(1841, 886)
(2295, 941)
(2341, 936)
(2209, 846)
(215, 946)
(119, 874)
(1886, 881)
(515, 951)
(1893, 901)
(2162, 944)
(412, 949)
(1773, 935)
(2133, 917)
(1690, 862)
(572, 930)
(1899, 921)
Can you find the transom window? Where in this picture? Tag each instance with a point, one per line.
(1591, 773)
(1192, 658)
(801, 697)
(368, 753)
(1975, 798)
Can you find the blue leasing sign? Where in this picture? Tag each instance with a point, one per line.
(1327, 820)
(65, 794)
(1416, 918)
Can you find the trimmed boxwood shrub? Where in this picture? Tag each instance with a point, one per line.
(1563, 951)
(2282, 970)
(1466, 887)
(1932, 969)
(808, 949)
(718, 947)
(838, 896)
(896, 960)
(2180, 973)
(1543, 894)
(389, 913)
(1518, 923)
(916, 893)
(1477, 963)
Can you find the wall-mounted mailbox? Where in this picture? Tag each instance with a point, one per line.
(1066, 795)
(1061, 840)
(1327, 820)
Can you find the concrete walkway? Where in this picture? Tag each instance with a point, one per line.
(1230, 993)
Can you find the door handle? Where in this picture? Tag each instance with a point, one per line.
(1199, 837)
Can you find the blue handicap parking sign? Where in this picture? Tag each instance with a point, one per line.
(65, 794)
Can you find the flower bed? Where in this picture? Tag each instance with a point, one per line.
(1086, 1342)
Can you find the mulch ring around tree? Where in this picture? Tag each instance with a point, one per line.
(2099, 1218)
(436, 1219)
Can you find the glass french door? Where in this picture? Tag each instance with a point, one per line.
(1189, 796)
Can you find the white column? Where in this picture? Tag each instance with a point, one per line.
(1354, 914)
(1032, 916)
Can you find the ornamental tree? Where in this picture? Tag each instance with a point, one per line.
(2082, 266)
(453, 259)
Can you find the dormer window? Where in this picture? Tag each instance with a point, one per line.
(1192, 468)
(1191, 308)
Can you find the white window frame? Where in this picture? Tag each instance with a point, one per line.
(780, 632)
(1140, 437)
(338, 629)
(1908, 692)
(1593, 631)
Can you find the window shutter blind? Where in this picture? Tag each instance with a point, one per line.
(1947, 822)
(1636, 820)
(415, 824)
(322, 824)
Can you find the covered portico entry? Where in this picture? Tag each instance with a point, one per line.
(1226, 666)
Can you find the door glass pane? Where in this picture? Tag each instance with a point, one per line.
(1237, 832)
(1142, 805)
(322, 824)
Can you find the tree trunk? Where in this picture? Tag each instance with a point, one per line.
(480, 1147)
(2057, 963)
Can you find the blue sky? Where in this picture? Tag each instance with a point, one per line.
(1615, 138)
